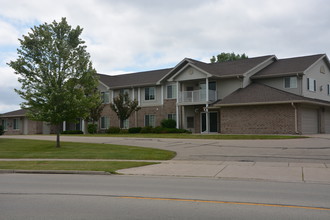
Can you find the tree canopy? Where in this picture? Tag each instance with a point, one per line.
(123, 106)
(58, 81)
(227, 57)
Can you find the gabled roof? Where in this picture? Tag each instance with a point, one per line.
(133, 79)
(257, 94)
(16, 113)
(290, 66)
(226, 69)
(232, 68)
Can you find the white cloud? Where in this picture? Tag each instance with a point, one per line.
(137, 35)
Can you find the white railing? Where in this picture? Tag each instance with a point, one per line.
(197, 96)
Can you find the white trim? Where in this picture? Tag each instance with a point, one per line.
(104, 84)
(185, 67)
(162, 95)
(139, 96)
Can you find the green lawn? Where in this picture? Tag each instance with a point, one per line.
(203, 136)
(16, 148)
(107, 166)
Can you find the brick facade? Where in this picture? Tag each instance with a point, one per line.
(258, 119)
(32, 127)
(137, 118)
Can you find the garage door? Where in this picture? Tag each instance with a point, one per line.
(327, 121)
(309, 121)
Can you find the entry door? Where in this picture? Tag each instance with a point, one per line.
(213, 121)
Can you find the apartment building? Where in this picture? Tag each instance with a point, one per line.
(259, 95)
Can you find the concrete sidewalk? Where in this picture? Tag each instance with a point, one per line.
(282, 172)
(307, 159)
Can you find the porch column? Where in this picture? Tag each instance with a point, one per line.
(83, 125)
(177, 105)
(64, 125)
(139, 96)
(162, 95)
(207, 105)
(207, 90)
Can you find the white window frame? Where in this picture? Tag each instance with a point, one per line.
(16, 124)
(105, 122)
(150, 120)
(311, 85)
(125, 124)
(171, 88)
(293, 82)
(171, 116)
(151, 95)
(4, 124)
(105, 96)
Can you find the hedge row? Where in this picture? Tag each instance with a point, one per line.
(145, 130)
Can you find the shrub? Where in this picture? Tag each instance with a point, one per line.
(92, 128)
(168, 123)
(113, 130)
(160, 130)
(72, 132)
(134, 130)
(1, 130)
(147, 129)
(124, 131)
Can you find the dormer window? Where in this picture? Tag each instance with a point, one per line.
(290, 82)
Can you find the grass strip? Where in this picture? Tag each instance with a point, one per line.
(107, 166)
(18, 148)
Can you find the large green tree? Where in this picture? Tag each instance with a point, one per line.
(124, 107)
(222, 57)
(58, 81)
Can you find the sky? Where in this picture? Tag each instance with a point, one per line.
(138, 35)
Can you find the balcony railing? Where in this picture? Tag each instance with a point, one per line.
(197, 96)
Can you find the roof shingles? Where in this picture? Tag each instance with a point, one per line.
(134, 79)
(261, 94)
(290, 66)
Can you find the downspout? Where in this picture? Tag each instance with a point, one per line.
(295, 118)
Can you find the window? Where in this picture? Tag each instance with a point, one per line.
(105, 97)
(149, 120)
(149, 93)
(16, 124)
(311, 84)
(171, 91)
(124, 124)
(4, 124)
(328, 89)
(123, 92)
(171, 116)
(105, 122)
(190, 122)
(213, 86)
(290, 82)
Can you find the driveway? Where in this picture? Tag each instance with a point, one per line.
(315, 149)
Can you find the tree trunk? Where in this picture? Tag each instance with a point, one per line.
(58, 145)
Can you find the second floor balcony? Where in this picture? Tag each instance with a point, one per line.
(197, 96)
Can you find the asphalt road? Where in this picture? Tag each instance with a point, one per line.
(30, 196)
(305, 150)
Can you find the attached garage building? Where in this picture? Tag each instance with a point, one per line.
(310, 120)
(261, 109)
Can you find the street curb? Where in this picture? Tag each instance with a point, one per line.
(56, 172)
